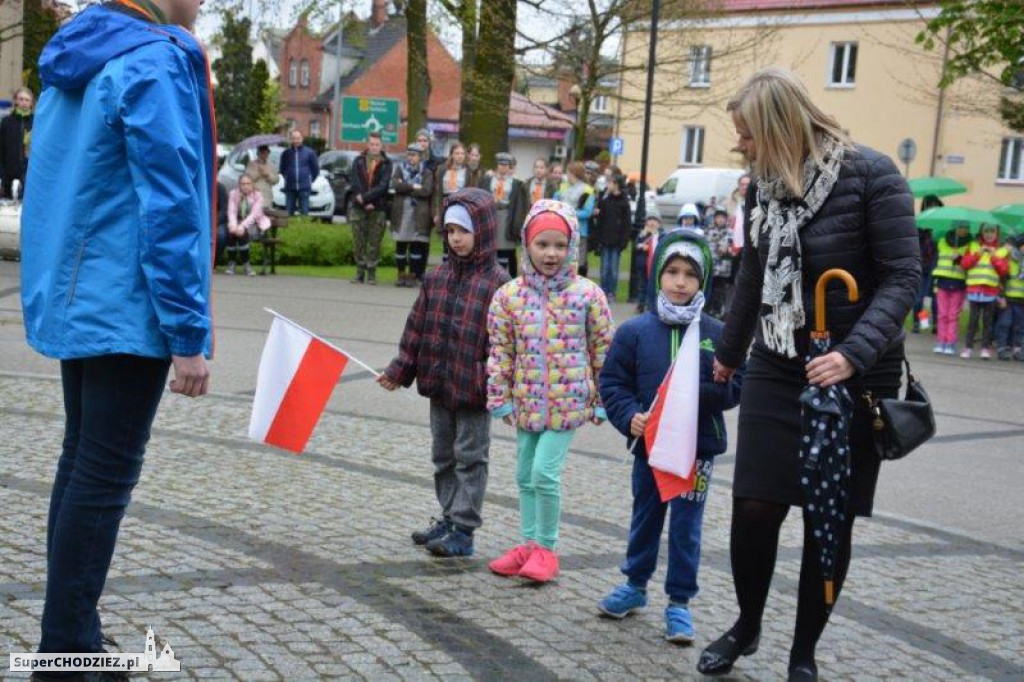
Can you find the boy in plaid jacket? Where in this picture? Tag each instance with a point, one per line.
(444, 348)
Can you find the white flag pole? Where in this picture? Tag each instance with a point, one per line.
(324, 341)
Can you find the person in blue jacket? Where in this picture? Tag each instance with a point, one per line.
(641, 354)
(115, 276)
(299, 167)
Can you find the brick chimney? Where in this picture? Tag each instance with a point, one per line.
(380, 13)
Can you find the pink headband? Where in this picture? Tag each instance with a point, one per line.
(548, 220)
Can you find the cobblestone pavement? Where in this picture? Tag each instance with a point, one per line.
(256, 564)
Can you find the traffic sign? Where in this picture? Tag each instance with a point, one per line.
(362, 115)
(907, 150)
(617, 146)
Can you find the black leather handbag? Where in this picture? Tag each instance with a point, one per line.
(900, 426)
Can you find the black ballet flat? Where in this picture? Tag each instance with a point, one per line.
(805, 672)
(721, 654)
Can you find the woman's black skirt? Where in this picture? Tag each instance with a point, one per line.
(768, 444)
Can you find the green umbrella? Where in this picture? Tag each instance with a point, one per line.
(942, 219)
(939, 187)
(1010, 214)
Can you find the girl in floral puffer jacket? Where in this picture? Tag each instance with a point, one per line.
(549, 332)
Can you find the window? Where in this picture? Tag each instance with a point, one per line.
(1011, 159)
(700, 66)
(293, 74)
(691, 151)
(600, 104)
(314, 128)
(304, 79)
(843, 72)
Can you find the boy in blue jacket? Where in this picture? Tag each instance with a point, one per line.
(640, 357)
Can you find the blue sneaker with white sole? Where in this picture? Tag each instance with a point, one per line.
(679, 624)
(623, 600)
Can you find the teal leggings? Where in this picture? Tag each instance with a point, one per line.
(539, 475)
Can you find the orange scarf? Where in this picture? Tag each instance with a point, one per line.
(499, 189)
(538, 191)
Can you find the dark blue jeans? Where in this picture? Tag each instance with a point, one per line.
(109, 402)
(684, 527)
(299, 197)
(610, 256)
(1010, 326)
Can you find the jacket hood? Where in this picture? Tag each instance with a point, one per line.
(666, 240)
(569, 265)
(83, 46)
(480, 205)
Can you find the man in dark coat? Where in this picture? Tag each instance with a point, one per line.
(371, 176)
(300, 168)
(15, 131)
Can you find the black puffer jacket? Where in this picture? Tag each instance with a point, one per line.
(866, 226)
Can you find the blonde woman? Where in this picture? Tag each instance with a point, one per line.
(818, 202)
(15, 137)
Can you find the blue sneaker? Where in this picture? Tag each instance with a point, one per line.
(679, 624)
(454, 543)
(623, 600)
(436, 529)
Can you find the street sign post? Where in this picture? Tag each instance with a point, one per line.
(907, 151)
(616, 146)
(362, 115)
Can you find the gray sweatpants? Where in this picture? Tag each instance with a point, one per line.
(462, 440)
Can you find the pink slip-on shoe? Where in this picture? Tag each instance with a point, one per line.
(541, 567)
(512, 561)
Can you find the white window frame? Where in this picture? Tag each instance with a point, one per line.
(304, 73)
(691, 146)
(293, 73)
(1011, 161)
(314, 128)
(700, 66)
(842, 51)
(600, 105)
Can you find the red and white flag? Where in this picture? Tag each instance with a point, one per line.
(297, 373)
(671, 431)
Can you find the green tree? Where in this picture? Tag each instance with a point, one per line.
(265, 100)
(982, 38)
(233, 96)
(38, 26)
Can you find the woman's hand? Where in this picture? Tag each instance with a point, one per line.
(638, 423)
(720, 373)
(509, 419)
(829, 369)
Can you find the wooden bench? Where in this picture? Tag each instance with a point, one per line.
(270, 241)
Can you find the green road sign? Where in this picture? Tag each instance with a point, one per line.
(362, 115)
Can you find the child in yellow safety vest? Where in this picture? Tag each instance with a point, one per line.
(1010, 324)
(950, 287)
(986, 263)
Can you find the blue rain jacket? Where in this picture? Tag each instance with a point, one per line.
(116, 228)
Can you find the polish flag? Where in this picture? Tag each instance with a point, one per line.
(297, 374)
(671, 431)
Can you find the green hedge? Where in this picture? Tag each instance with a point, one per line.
(307, 242)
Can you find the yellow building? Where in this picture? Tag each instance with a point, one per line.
(859, 60)
(10, 49)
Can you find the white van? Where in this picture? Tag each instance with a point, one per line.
(693, 186)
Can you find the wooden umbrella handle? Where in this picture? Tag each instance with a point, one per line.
(819, 294)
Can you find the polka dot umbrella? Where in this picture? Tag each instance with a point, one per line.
(825, 445)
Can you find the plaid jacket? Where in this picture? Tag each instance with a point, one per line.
(444, 346)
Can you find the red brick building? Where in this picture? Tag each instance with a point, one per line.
(300, 62)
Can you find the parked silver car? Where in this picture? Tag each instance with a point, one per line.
(321, 199)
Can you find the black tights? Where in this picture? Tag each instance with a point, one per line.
(753, 545)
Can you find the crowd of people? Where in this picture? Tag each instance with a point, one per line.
(495, 332)
(540, 352)
(983, 269)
